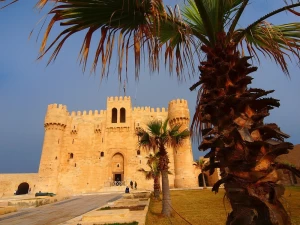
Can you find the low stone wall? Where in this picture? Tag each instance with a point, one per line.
(9, 182)
(7, 209)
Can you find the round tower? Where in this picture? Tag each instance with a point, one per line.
(55, 123)
(178, 113)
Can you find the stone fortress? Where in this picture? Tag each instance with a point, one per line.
(92, 151)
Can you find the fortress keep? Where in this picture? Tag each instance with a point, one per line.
(90, 151)
(98, 151)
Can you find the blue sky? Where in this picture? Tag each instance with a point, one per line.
(27, 86)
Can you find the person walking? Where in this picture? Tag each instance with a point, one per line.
(131, 184)
(135, 184)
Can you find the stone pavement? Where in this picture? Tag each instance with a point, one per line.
(135, 198)
(56, 213)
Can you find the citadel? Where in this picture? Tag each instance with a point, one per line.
(97, 150)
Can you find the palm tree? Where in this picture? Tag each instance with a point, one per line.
(158, 136)
(153, 173)
(229, 115)
(201, 163)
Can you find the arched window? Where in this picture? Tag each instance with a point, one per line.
(122, 115)
(138, 152)
(114, 115)
(102, 154)
(71, 155)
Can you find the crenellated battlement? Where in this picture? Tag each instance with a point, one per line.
(147, 109)
(179, 112)
(57, 106)
(56, 114)
(89, 113)
(181, 102)
(118, 99)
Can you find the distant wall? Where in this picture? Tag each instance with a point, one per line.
(287, 178)
(9, 182)
(211, 179)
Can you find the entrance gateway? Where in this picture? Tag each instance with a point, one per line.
(118, 169)
(118, 177)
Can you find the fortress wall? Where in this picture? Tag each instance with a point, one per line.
(142, 115)
(9, 182)
(82, 173)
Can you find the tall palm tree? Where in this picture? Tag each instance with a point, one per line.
(200, 163)
(158, 136)
(229, 115)
(153, 173)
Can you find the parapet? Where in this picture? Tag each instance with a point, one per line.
(178, 102)
(147, 109)
(55, 106)
(56, 114)
(117, 99)
(178, 111)
(89, 113)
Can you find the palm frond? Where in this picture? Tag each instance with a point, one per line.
(275, 41)
(175, 34)
(208, 18)
(13, 1)
(204, 8)
(145, 140)
(176, 136)
(237, 16)
(154, 127)
(128, 21)
(148, 174)
(145, 26)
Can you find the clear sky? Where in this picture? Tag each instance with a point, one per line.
(27, 86)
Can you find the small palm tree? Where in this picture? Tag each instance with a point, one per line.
(158, 136)
(201, 163)
(153, 173)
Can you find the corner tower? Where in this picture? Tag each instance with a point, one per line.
(178, 113)
(55, 123)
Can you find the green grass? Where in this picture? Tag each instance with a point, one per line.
(205, 207)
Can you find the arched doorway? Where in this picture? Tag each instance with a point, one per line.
(200, 180)
(118, 169)
(22, 189)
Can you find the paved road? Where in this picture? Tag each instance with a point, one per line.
(59, 212)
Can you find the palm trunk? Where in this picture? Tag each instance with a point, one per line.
(232, 126)
(203, 178)
(156, 187)
(166, 202)
(163, 165)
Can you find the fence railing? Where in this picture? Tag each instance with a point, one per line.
(117, 183)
